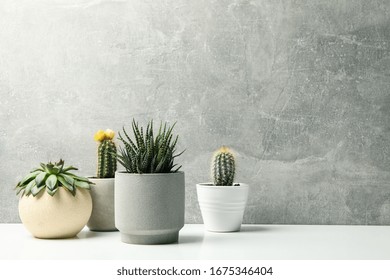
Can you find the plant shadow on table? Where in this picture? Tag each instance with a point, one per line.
(190, 239)
(92, 234)
(255, 228)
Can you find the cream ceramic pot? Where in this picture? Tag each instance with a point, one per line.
(59, 216)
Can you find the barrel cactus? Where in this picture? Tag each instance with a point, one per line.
(223, 167)
(106, 154)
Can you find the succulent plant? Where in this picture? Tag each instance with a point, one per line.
(52, 176)
(106, 154)
(147, 153)
(223, 167)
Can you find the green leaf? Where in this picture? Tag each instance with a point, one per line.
(51, 182)
(83, 185)
(68, 178)
(160, 167)
(35, 190)
(40, 179)
(138, 136)
(43, 166)
(30, 185)
(83, 179)
(131, 143)
(177, 169)
(51, 192)
(55, 170)
(49, 168)
(69, 168)
(18, 190)
(66, 184)
(179, 154)
(75, 177)
(28, 178)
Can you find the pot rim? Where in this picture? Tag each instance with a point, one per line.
(212, 186)
(149, 174)
(103, 179)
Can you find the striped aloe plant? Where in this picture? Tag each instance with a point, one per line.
(149, 153)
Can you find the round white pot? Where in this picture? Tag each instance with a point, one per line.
(149, 208)
(222, 207)
(59, 216)
(103, 216)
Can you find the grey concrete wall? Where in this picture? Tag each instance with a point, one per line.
(300, 90)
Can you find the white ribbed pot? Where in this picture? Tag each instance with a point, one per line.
(59, 216)
(149, 208)
(103, 214)
(222, 207)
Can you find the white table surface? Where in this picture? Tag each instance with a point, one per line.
(271, 242)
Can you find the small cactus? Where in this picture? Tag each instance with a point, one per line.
(106, 154)
(223, 167)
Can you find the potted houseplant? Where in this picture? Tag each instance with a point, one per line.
(222, 202)
(54, 203)
(103, 217)
(149, 195)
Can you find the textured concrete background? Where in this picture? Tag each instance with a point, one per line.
(300, 89)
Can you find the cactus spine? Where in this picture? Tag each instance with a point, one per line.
(223, 167)
(106, 154)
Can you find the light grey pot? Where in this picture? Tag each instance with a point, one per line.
(149, 208)
(103, 216)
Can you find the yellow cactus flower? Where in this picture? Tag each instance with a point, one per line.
(224, 149)
(100, 135)
(109, 134)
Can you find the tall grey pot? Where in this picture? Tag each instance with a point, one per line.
(149, 208)
(102, 217)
